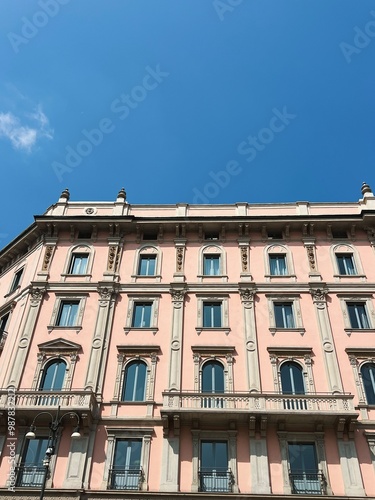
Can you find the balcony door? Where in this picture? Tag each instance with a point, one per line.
(126, 471)
(214, 472)
(213, 383)
(31, 470)
(292, 383)
(304, 473)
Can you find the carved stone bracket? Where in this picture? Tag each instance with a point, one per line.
(36, 294)
(319, 295)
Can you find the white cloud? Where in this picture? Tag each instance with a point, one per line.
(25, 136)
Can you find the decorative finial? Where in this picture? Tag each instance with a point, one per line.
(365, 188)
(65, 194)
(121, 194)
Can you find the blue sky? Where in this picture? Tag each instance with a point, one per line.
(208, 101)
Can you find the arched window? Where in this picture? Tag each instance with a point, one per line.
(212, 261)
(53, 376)
(278, 261)
(134, 388)
(368, 378)
(213, 382)
(291, 378)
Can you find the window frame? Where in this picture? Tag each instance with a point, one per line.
(145, 250)
(212, 249)
(60, 300)
(137, 299)
(278, 249)
(204, 299)
(81, 249)
(317, 438)
(294, 300)
(366, 301)
(299, 355)
(358, 357)
(16, 280)
(230, 437)
(114, 434)
(343, 248)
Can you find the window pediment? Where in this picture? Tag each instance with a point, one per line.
(59, 346)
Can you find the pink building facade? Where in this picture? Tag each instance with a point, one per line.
(203, 350)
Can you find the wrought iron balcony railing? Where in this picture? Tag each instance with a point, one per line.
(308, 482)
(215, 479)
(258, 402)
(125, 479)
(30, 476)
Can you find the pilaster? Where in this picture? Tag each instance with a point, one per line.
(326, 337)
(95, 375)
(251, 345)
(260, 478)
(178, 295)
(350, 468)
(169, 464)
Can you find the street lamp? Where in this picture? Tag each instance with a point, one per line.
(54, 425)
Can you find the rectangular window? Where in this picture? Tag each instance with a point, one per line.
(212, 314)
(278, 264)
(126, 472)
(78, 264)
(304, 474)
(214, 473)
(211, 265)
(142, 315)
(147, 265)
(358, 315)
(31, 471)
(345, 263)
(16, 280)
(68, 313)
(284, 315)
(213, 235)
(3, 323)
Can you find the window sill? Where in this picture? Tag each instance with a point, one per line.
(77, 328)
(350, 276)
(145, 278)
(349, 331)
(215, 277)
(276, 329)
(151, 329)
(11, 292)
(223, 329)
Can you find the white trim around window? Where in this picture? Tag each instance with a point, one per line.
(281, 250)
(62, 300)
(212, 299)
(217, 271)
(346, 262)
(153, 251)
(137, 300)
(144, 434)
(292, 300)
(83, 272)
(358, 312)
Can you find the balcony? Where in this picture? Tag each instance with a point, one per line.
(30, 476)
(325, 407)
(308, 483)
(125, 479)
(215, 480)
(28, 401)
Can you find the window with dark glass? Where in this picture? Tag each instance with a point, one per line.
(31, 470)
(3, 323)
(292, 378)
(211, 265)
(16, 280)
(78, 264)
(213, 383)
(358, 315)
(212, 314)
(126, 472)
(345, 263)
(278, 264)
(214, 473)
(53, 376)
(368, 380)
(135, 381)
(284, 315)
(304, 474)
(68, 313)
(142, 315)
(147, 265)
